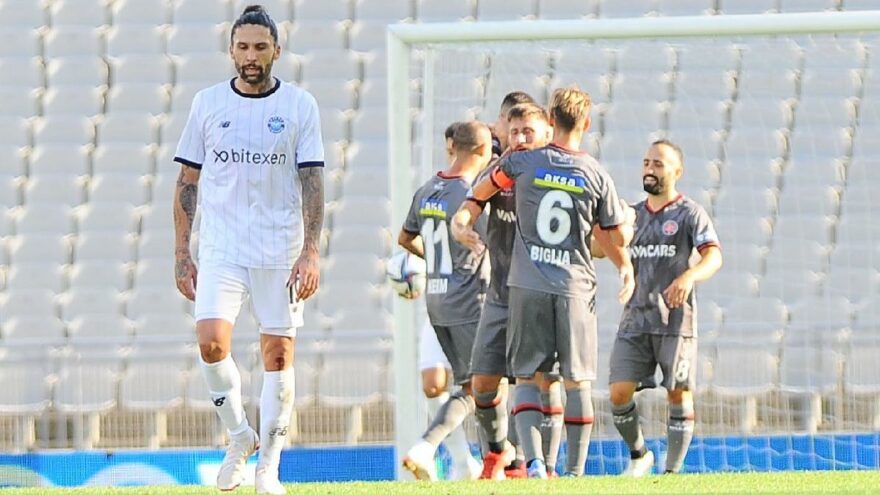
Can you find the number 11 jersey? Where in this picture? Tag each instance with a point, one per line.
(560, 195)
(456, 278)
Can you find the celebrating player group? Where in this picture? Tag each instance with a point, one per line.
(523, 210)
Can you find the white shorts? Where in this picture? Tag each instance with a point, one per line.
(430, 353)
(222, 287)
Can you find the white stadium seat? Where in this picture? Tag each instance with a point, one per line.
(315, 67)
(79, 12)
(44, 329)
(83, 69)
(95, 328)
(206, 69)
(112, 215)
(26, 302)
(19, 101)
(137, 127)
(201, 39)
(633, 8)
(73, 99)
(59, 158)
(153, 272)
(153, 12)
(383, 10)
(506, 11)
(104, 245)
(55, 188)
(200, 12)
(158, 300)
(565, 9)
(73, 41)
(138, 97)
(132, 158)
(23, 13)
(22, 71)
(118, 187)
(64, 129)
(101, 273)
(172, 326)
(55, 218)
(330, 10)
(135, 39)
(98, 300)
(47, 247)
(86, 388)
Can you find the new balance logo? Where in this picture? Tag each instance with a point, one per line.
(278, 432)
(225, 124)
(219, 401)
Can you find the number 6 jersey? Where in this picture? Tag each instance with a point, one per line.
(560, 195)
(456, 278)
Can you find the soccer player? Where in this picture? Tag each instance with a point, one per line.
(436, 373)
(528, 128)
(500, 129)
(454, 292)
(658, 326)
(561, 193)
(257, 143)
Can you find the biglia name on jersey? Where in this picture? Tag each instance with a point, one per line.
(249, 157)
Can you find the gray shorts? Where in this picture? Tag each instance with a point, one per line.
(490, 345)
(544, 328)
(457, 342)
(636, 355)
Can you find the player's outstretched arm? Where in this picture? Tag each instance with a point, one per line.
(601, 240)
(306, 272)
(185, 200)
(677, 292)
(612, 242)
(463, 226)
(412, 242)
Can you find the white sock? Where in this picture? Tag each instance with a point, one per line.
(276, 405)
(435, 404)
(224, 385)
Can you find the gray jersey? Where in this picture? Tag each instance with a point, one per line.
(499, 240)
(456, 278)
(560, 196)
(661, 251)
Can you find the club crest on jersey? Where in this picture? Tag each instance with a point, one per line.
(276, 124)
(436, 208)
(670, 227)
(560, 180)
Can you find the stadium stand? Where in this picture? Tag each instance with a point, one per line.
(95, 95)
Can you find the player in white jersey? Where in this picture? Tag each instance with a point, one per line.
(251, 152)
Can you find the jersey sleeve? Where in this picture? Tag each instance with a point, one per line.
(611, 212)
(702, 231)
(309, 144)
(506, 171)
(412, 222)
(191, 147)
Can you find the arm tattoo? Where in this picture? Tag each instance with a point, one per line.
(312, 179)
(185, 208)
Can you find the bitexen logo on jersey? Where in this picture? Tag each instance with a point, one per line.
(249, 157)
(653, 251)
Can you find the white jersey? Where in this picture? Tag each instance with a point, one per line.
(249, 149)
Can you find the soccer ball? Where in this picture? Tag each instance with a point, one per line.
(406, 274)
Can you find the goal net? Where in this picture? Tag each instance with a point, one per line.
(777, 117)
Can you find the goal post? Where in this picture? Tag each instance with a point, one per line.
(411, 147)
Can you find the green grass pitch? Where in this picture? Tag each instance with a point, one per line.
(841, 482)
